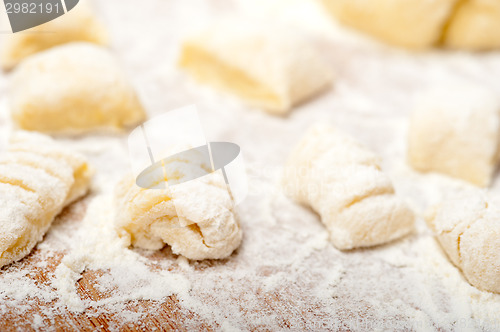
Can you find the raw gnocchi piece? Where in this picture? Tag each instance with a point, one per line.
(205, 228)
(79, 24)
(474, 26)
(74, 88)
(455, 130)
(342, 181)
(270, 68)
(38, 178)
(468, 229)
(409, 23)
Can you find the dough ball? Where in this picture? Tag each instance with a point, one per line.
(79, 24)
(268, 67)
(195, 218)
(342, 181)
(468, 229)
(409, 23)
(474, 26)
(74, 88)
(455, 130)
(38, 178)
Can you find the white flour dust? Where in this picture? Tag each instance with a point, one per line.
(285, 274)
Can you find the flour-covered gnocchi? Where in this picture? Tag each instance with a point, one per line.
(343, 183)
(74, 88)
(38, 178)
(268, 67)
(455, 130)
(195, 218)
(468, 229)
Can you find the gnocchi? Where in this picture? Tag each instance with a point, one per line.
(342, 181)
(38, 178)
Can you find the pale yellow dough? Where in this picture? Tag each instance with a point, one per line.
(409, 23)
(73, 88)
(420, 24)
(38, 178)
(342, 181)
(468, 229)
(270, 68)
(475, 26)
(206, 229)
(79, 24)
(455, 130)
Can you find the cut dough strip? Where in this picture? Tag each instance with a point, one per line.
(342, 181)
(455, 130)
(38, 178)
(268, 67)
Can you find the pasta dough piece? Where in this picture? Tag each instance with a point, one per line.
(79, 24)
(409, 23)
(38, 178)
(73, 88)
(25, 148)
(269, 68)
(206, 229)
(455, 130)
(474, 26)
(343, 183)
(468, 229)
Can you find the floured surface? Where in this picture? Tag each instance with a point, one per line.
(285, 274)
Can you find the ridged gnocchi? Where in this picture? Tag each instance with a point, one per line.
(195, 218)
(38, 178)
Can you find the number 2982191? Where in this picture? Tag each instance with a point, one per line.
(32, 8)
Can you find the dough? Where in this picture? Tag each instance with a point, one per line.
(468, 229)
(79, 24)
(206, 229)
(268, 67)
(409, 23)
(74, 88)
(38, 178)
(475, 26)
(461, 24)
(342, 181)
(455, 130)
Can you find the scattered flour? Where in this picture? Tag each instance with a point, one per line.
(286, 275)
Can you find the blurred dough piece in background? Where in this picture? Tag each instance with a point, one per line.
(268, 66)
(73, 88)
(420, 24)
(79, 24)
(342, 181)
(468, 229)
(410, 23)
(207, 229)
(455, 129)
(475, 26)
(38, 178)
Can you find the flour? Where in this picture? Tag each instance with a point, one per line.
(285, 275)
